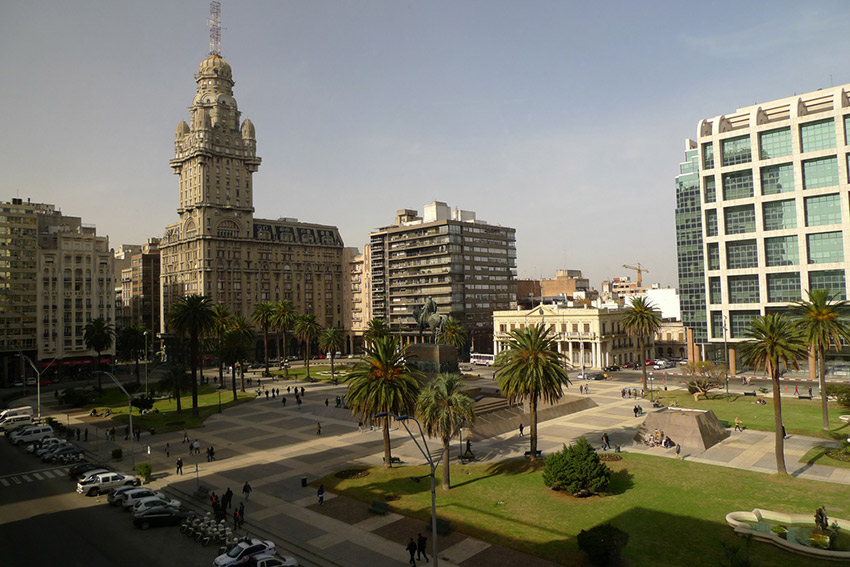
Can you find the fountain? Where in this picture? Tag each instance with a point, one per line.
(797, 533)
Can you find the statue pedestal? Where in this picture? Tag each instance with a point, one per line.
(433, 359)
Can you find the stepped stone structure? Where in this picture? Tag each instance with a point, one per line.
(695, 430)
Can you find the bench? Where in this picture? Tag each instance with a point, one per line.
(804, 397)
(378, 507)
(753, 394)
(393, 460)
(538, 452)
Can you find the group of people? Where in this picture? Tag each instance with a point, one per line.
(638, 411)
(274, 393)
(337, 404)
(659, 439)
(417, 548)
(631, 393)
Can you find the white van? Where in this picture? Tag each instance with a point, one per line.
(9, 423)
(31, 434)
(23, 410)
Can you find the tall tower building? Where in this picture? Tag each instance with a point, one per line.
(774, 207)
(217, 248)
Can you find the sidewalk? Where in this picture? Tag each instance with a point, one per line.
(273, 447)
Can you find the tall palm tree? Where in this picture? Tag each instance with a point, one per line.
(443, 408)
(236, 342)
(221, 322)
(330, 341)
(244, 333)
(531, 368)
(284, 318)
(131, 344)
(307, 329)
(173, 381)
(98, 336)
(383, 382)
(375, 329)
(642, 321)
(823, 319)
(453, 333)
(191, 317)
(264, 317)
(774, 340)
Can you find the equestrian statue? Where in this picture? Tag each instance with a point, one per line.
(428, 319)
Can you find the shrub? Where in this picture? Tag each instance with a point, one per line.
(144, 470)
(576, 468)
(603, 544)
(77, 397)
(841, 393)
(117, 454)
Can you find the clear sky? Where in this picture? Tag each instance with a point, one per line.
(563, 119)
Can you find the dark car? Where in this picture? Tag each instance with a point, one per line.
(80, 468)
(595, 376)
(612, 368)
(160, 516)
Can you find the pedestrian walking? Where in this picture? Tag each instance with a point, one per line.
(273, 393)
(521, 427)
(126, 432)
(411, 549)
(237, 519)
(623, 393)
(320, 494)
(796, 390)
(678, 451)
(186, 437)
(283, 400)
(246, 491)
(77, 430)
(86, 434)
(784, 435)
(208, 454)
(179, 466)
(212, 453)
(326, 402)
(302, 390)
(241, 513)
(738, 424)
(360, 425)
(810, 395)
(197, 447)
(318, 428)
(267, 394)
(606, 442)
(167, 450)
(421, 544)
(635, 410)
(226, 499)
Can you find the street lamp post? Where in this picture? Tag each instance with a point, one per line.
(726, 356)
(130, 413)
(423, 448)
(651, 387)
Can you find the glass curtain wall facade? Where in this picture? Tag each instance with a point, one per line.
(689, 243)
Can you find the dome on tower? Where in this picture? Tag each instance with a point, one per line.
(248, 130)
(182, 129)
(215, 65)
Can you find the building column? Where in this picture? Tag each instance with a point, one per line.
(570, 347)
(594, 354)
(733, 364)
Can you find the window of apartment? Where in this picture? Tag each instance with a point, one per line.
(740, 220)
(833, 280)
(742, 254)
(822, 172)
(713, 256)
(737, 185)
(847, 130)
(775, 143)
(736, 150)
(711, 222)
(825, 247)
(743, 289)
(818, 135)
(708, 155)
(715, 293)
(781, 251)
(783, 288)
(740, 321)
(710, 189)
(779, 215)
(717, 324)
(822, 210)
(777, 179)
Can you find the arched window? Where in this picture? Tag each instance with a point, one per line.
(190, 229)
(228, 229)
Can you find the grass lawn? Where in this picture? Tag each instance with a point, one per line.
(802, 417)
(818, 456)
(167, 419)
(674, 511)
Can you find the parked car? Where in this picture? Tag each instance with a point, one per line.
(115, 496)
(56, 451)
(64, 454)
(102, 482)
(143, 504)
(628, 365)
(650, 362)
(612, 368)
(49, 447)
(130, 497)
(160, 516)
(82, 470)
(239, 553)
(31, 434)
(43, 444)
(271, 560)
(9, 423)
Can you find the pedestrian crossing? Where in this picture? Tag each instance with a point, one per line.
(18, 479)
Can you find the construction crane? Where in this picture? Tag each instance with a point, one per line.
(639, 269)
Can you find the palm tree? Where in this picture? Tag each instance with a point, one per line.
(642, 321)
(264, 317)
(454, 334)
(823, 319)
(131, 344)
(236, 342)
(774, 340)
(375, 329)
(531, 368)
(173, 380)
(284, 318)
(192, 316)
(330, 341)
(98, 336)
(221, 322)
(244, 333)
(307, 329)
(443, 408)
(383, 382)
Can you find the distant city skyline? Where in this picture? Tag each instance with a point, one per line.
(563, 120)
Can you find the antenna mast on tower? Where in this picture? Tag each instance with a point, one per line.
(215, 28)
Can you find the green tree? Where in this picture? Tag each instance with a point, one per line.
(642, 321)
(383, 382)
(236, 343)
(131, 344)
(375, 329)
(284, 318)
(98, 336)
(263, 316)
(823, 319)
(531, 368)
(454, 334)
(443, 407)
(704, 376)
(307, 329)
(576, 468)
(175, 380)
(241, 330)
(221, 322)
(330, 341)
(774, 341)
(191, 317)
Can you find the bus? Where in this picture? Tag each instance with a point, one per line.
(481, 359)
